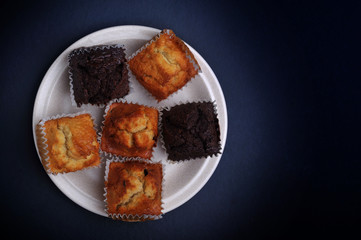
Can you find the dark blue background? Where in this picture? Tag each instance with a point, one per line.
(290, 73)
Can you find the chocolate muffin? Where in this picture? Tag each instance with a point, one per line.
(191, 131)
(99, 74)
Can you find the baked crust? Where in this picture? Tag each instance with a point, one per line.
(164, 66)
(130, 130)
(191, 131)
(134, 188)
(99, 74)
(72, 144)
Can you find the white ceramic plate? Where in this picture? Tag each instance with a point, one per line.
(182, 180)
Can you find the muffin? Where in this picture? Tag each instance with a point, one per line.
(130, 130)
(133, 190)
(68, 144)
(190, 131)
(98, 74)
(164, 65)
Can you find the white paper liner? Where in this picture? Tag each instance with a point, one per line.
(188, 55)
(108, 155)
(167, 108)
(130, 217)
(88, 49)
(43, 146)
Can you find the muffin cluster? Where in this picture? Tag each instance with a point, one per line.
(101, 76)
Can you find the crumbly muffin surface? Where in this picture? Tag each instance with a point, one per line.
(134, 188)
(164, 66)
(130, 130)
(72, 143)
(99, 75)
(191, 131)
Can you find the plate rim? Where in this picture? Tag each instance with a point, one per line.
(119, 28)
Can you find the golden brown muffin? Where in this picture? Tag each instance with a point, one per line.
(130, 130)
(134, 188)
(72, 144)
(164, 66)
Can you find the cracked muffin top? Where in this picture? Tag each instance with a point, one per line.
(134, 188)
(71, 144)
(164, 66)
(130, 130)
(99, 74)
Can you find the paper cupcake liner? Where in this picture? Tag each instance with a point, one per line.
(109, 155)
(89, 49)
(131, 217)
(43, 146)
(189, 56)
(167, 108)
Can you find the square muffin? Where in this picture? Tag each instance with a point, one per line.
(190, 131)
(99, 74)
(130, 130)
(134, 189)
(71, 144)
(164, 66)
